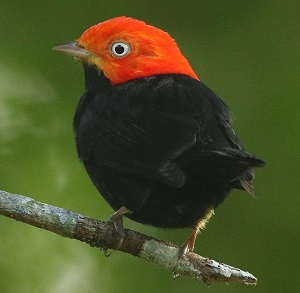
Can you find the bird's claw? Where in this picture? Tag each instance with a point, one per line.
(117, 219)
(184, 249)
(106, 252)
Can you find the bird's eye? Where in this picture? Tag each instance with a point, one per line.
(120, 49)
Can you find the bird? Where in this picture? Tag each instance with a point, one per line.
(156, 142)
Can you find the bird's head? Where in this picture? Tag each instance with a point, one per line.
(124, 49)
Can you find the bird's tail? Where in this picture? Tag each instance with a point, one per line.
(244, 161)
(235, 156)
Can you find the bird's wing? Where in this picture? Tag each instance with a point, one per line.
(146, 126)
(232, 150)
(223, 117)
(222, 139)
(131, 128)
(148, 146)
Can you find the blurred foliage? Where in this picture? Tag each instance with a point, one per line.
(246, 51)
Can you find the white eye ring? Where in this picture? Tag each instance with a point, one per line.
(119, 49)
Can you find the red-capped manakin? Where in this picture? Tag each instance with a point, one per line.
(157, 143)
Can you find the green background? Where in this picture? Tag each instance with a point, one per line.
(246, 51)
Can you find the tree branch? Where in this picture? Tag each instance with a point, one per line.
(102, 234)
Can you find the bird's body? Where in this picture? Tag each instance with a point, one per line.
(152, 137)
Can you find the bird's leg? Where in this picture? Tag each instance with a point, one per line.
(189, 244)
(117, 219)
(184, 249)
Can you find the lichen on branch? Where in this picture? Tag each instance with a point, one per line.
(103, 235)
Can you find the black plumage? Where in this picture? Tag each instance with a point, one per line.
(162, 146)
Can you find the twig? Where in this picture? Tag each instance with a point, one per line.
(102, 234)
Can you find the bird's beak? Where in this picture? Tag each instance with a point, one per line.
(73, 49)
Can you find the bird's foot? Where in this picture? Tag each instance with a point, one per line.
(185, 248)
(117, 219)
(188, 245)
